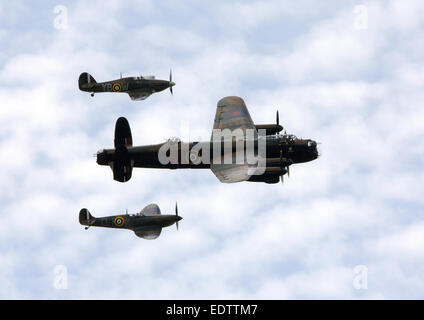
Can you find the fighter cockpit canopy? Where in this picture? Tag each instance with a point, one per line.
(144, 77)
(150, 210)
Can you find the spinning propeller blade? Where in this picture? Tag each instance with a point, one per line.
(171, 84)
(281, 166)
(176, 213)
(286, 167)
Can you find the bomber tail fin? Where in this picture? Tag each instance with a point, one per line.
(85, 217)
(122, 166)
(86, 81)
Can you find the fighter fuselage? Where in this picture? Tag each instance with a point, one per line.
(132, 221)
(127, 84)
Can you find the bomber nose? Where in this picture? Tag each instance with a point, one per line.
(178, 218)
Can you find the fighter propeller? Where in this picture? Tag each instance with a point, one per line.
(171, 84)
(176, 214)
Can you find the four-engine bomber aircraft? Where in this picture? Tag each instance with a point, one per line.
(138, 88)
(282, 150)
(147, 224)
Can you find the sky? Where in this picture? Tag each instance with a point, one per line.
(348, 225)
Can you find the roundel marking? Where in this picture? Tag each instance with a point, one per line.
(118, 221)
(193, 157)
(117, 87)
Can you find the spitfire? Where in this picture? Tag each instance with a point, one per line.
(281, 150)
(138, 88)
(147, 224)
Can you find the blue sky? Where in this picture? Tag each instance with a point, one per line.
(357, 89)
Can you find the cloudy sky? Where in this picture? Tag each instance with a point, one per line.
(348, 225)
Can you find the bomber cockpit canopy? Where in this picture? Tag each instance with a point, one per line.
(290, 138)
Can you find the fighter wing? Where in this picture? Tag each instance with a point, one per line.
(148, 233)
(231, 113)
(138, 95)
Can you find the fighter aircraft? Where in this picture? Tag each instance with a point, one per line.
(282, 150)
(147, 224)
(138, 88)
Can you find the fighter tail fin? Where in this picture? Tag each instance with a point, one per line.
(86, 81)
(85, 217)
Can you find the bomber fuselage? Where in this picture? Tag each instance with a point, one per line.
(287, 147)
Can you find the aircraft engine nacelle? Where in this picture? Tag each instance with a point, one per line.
(277, 162)
(271, 175)
(270, 128)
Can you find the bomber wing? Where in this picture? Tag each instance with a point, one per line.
(231, 113)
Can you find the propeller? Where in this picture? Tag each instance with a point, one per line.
(171, 84)
(281, 166)
(176, 214)
(287, 167)
(277, 121)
